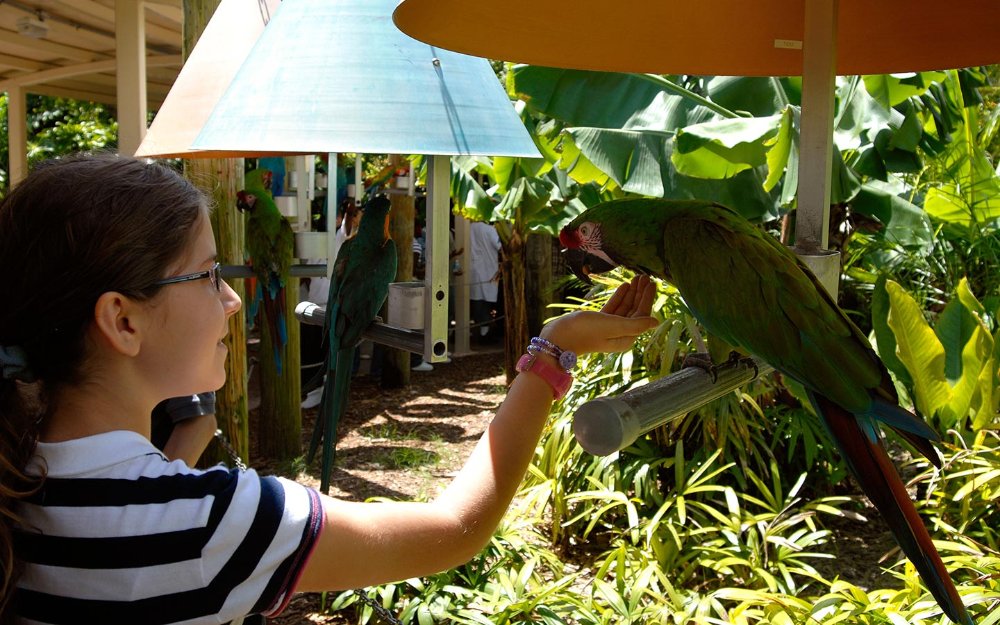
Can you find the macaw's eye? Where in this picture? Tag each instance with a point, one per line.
(251, 197)
(585, 230)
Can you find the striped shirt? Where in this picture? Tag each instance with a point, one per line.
(118, 534)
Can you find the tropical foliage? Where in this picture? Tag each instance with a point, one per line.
(734, 513)
(58, 126)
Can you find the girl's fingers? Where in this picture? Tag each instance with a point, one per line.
(644, 302)
(622, 302)
(616, 298)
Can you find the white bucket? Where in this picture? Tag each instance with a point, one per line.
(311, 244)
(288, 205)
(406, 305)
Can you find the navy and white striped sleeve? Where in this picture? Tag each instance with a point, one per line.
(175, 546)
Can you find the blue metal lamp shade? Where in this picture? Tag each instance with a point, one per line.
(338, 76)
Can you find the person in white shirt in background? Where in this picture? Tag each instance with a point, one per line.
(484, 243)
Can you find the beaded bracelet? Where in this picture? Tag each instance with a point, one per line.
(567, 359)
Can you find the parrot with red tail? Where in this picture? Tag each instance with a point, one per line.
(752, 292)
(270, 242)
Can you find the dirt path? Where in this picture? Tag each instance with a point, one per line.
(401, 443)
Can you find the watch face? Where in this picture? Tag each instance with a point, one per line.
(567, 360)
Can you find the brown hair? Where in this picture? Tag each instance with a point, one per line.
(75, 228)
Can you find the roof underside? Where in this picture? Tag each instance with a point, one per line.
(73, 52)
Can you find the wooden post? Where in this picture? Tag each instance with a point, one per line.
(17, 136)
(279, 429)
(220, 179)
(130, 75)
(396, 363)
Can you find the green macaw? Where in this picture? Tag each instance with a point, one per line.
(270, 242)
(359, 285)
(755, 294)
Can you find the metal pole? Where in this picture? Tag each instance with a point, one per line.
(819, 78)
(438, 266)
(608, 424)
(378, 332)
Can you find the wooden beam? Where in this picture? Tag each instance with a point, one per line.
(54, 50)
(84, 95)
(106, 15)
(131, 74)
(87, 93)
(174, 14)
(21, 63)
(82, 69)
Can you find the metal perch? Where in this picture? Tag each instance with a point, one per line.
(398, 338)
(607, 424)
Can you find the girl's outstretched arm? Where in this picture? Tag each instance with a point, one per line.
(363, 544)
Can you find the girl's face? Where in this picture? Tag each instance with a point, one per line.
(184, 350)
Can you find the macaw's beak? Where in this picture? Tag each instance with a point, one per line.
(584, 264)
(242, 202)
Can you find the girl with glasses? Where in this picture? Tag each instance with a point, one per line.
(112, 302)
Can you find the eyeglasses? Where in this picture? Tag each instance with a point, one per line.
(214, 274)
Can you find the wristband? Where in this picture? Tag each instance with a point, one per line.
(559, 380)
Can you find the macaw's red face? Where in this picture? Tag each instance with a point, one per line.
(583, 251)
(245, 201)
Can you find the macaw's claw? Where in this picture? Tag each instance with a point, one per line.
(737, 359)
(703, 361)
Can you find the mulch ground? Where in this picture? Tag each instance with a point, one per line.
(404, 443)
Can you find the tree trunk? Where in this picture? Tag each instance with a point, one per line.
(220, 179)
(512, 264)
(538, 281)
(396, 362)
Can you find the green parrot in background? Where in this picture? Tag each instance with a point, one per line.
(270, 242)
(748, 289)
(359, 285)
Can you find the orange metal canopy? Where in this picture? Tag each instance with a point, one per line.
(718, 37)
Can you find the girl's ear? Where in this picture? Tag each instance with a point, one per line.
(120, 321)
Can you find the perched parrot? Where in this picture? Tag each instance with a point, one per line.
(271, 242)
(359, 285)
(748, 289)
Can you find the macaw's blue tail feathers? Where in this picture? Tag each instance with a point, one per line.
(862, 449)
(274, 311)
(915, 430)
(332, 407)
(254, 307)
(275, 285)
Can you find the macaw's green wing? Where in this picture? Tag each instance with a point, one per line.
(259, 246)
(285, 249)
(359, 288)
(747, 288)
